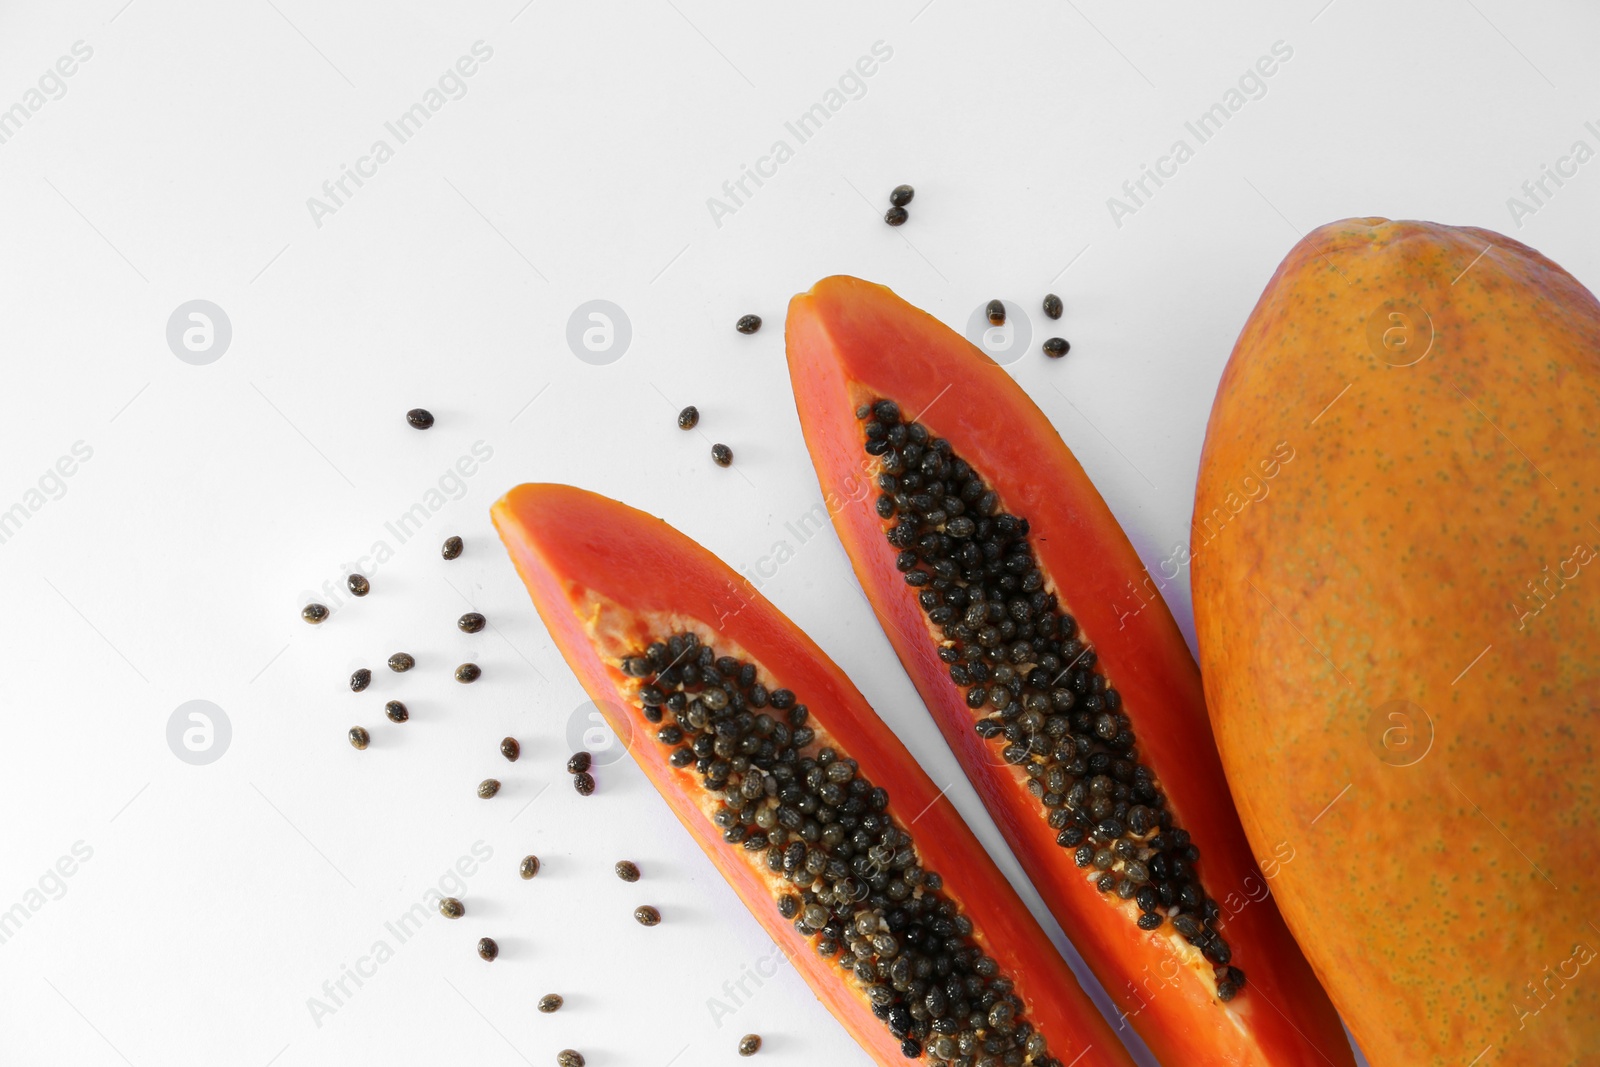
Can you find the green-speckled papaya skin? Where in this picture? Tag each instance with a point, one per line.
(1399, 630)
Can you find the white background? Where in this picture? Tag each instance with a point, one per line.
(177, 165)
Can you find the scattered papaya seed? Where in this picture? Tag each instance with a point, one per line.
(451, 908)
(316, 613)
(1052, 306)
(488, 788)
(401, 662)
(721, 455)
(468, 672)
(360, 679)
(896, 216)
(578, 763)
(645, 915)
(750, 1044)
(551, 1002)
(359, 586)
(901, 195)
(1056, 347)
(529, 867)
(510, 749)
(471, 622)
(627, 870)
(488, 949)
(748, 324)
(996, 310)
(583, 782)
(689, 418)
(419, 418)
(359, 738)
(452, 547)
(396, 711)
(568, 1058)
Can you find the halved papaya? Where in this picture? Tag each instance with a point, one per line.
(849, 856)
(997, 572)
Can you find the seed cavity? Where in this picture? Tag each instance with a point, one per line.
(1033, 683)
(853, 882)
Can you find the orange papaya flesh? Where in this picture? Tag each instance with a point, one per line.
(854, 345)
(1398, 639)
(644, 615)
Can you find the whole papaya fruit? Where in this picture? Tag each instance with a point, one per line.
(1398, 612)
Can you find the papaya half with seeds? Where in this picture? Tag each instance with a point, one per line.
(996, 571)
(1399, 638)
(843, 848)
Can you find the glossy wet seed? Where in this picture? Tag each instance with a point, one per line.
(1052, 306)
(468, 672)
(451, 908)
(896, 216)
(689, 418)
(996, 311)
(419, 418)
(1056, 347)
(401, 662)
(748, 324)
(578, 762)
(314, 613)
(359, 738)
(853, 882)
(645, 915)
(568, 1058)
(471, 623)
(750, 1044)
(510, 748)
(358, 585)
(529, 867)
(396, 711)
(551, 1002)
(360, 679)
(583, 782)
(488, 949)
(627, 870)
(452, 548)
(488, 788)
(1034, 686)
(722, 455)
(901, 195)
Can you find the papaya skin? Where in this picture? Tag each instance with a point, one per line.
(607, 578)
(1447, 850)
(851, 342)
